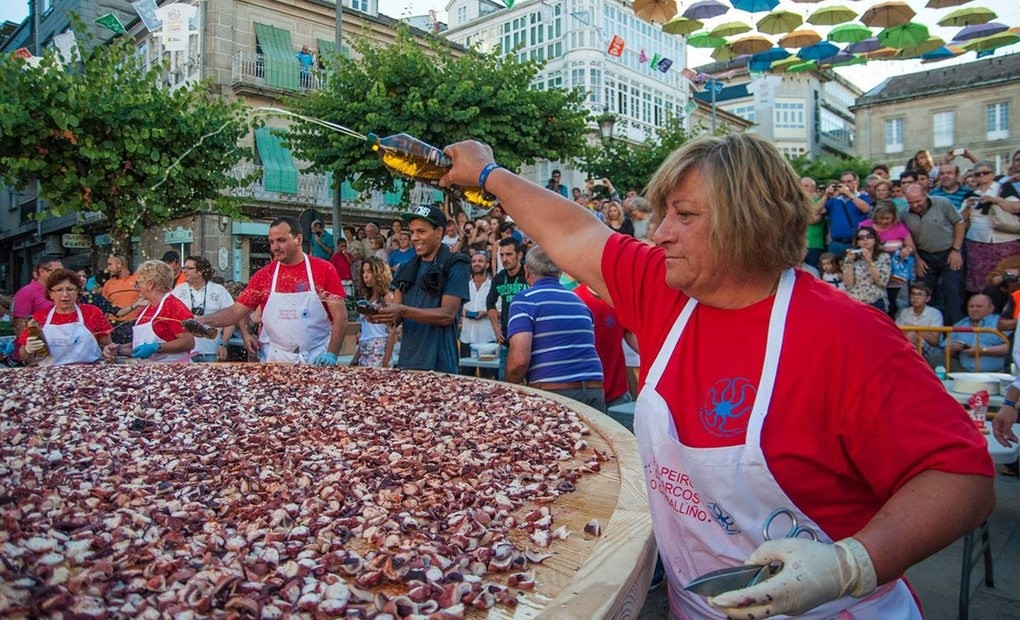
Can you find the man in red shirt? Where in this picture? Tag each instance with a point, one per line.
(609, 336)
(302, 300)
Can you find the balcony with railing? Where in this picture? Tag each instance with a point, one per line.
(248, 71)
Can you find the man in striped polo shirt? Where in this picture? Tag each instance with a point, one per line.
(552, 337)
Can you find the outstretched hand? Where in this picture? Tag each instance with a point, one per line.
(469, 157)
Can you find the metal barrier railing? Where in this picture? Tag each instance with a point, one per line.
(948, 330)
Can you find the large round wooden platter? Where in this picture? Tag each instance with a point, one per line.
(246, 490)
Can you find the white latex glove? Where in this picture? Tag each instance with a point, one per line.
(813, 573)
(33, 345)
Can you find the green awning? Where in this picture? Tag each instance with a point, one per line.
(329, 47)
(282, 67)
(279, 174)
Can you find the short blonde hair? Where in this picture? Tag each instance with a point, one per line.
(757, 210)
(158, 273)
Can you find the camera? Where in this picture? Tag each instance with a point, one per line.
(1010, 277)
(853, 252)
(367, 308)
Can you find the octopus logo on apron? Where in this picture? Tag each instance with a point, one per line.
(727, 407)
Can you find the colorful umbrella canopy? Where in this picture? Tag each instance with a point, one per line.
(864, 46)
(778, 22)
(681, 25)
(840, 57)
(771, 55)
(724, 53)
(705, 9)
(802, 66)
(780, 66)
(703, 39)
(832, 15)
(849, 33)
(992, 42)
(755, 6)
(887, 14)
(800, 38)
(818, 51)
(752, 44)
(727, 29)
(883, 53)
(943, 4)
(968, 17)
(907, 35)
(932, 44)
(943, 53)
(655, 11)
(980, 30)
(855, 59)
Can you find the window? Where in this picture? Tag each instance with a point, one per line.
(894, 135)
(998, 120)
(789, 115)
(745, 112)
(942, 129)
(358, 5)
(462, 15)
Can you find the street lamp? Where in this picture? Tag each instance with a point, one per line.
(607, 122)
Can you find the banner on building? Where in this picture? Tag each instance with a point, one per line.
(146, 10)
(664, 65)
(616, 46)
(176, 20)
(110, 22)
(642, 57)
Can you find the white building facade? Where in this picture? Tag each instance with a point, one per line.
(573, 38)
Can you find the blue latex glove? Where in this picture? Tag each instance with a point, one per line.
(144, 351)
(325, 359)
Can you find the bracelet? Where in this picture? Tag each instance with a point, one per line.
(1008, 403)
(483, 176)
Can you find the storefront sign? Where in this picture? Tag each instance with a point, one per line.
(178, 235)
(72, 241)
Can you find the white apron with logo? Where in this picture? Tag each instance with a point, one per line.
(708, 505)
(143, 333)
(71, 343)
(295, 326)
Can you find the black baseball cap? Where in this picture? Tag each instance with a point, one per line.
(429, 213)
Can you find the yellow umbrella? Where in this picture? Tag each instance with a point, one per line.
(726, 29)
(883, 53)
(752, 44)
(942, 4)
(888, 14)
(990, 43)
(780, 66)
(778, 22)
(800, 38)
(724, 53)
(932, 44)
(655, 11)
(832, 15)
(681, 25)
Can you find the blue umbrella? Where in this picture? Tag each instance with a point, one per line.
(818, 51)
(759, 66)
(980, 30)
(771, 55)
(705, 9)
(865, 46)
(755, 6)
(942, 53)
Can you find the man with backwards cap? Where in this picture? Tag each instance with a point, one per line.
(428, 293)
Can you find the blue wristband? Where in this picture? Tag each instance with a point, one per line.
(1008, 403)
(483, 176)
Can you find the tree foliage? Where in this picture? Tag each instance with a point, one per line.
(422, 89)
(102, 134)
(829, 167)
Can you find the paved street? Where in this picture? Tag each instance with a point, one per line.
(937, 579)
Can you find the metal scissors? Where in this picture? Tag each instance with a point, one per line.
(737, 577)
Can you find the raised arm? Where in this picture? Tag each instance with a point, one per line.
(572, 236)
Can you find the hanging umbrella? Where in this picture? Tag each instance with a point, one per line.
(992, 42)
(705, 9)
(839, 57)
(727, 29)
(849, 33)
(907, 35)
(752, 44)
(800, 38)
(780, 66)
(980, 30)
(818, 51)
(762, 61)
(724, 53)
(778, 22)
(968, 17)
(883, 53)
(681, 25)
(944, 4)
(755, 6)
(655, 11)
(808, 1)
(832, 15)
(864, 46)
(855, 59)
(943, 53)
(802, 66)
(703, 39)
(932, 44)
(887, 14)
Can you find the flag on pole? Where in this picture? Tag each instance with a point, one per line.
(22, 53)
(642, 57)
(581, 16)
(691, 106)
(66, 46)
(664, 65)
(110, 22)
(146, 10)
(616, 46)
(655, 61)
(688, 73)
(509, 3)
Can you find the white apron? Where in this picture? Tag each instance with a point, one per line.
(295, 327)
(141, 334)
(71, 343)
(708, 505)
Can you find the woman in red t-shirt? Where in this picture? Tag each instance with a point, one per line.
(73, 333)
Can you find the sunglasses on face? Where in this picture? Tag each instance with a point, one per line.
(859, 237)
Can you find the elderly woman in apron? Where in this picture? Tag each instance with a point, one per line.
(762, 390)
(72, 333)
(158, 334)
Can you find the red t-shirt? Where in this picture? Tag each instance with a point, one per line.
(608, 343)
(167, 325)
(342, 264)
(293, 279)
(855, 412)
(95, 321)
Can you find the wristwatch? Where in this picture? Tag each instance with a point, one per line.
(954, 249)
